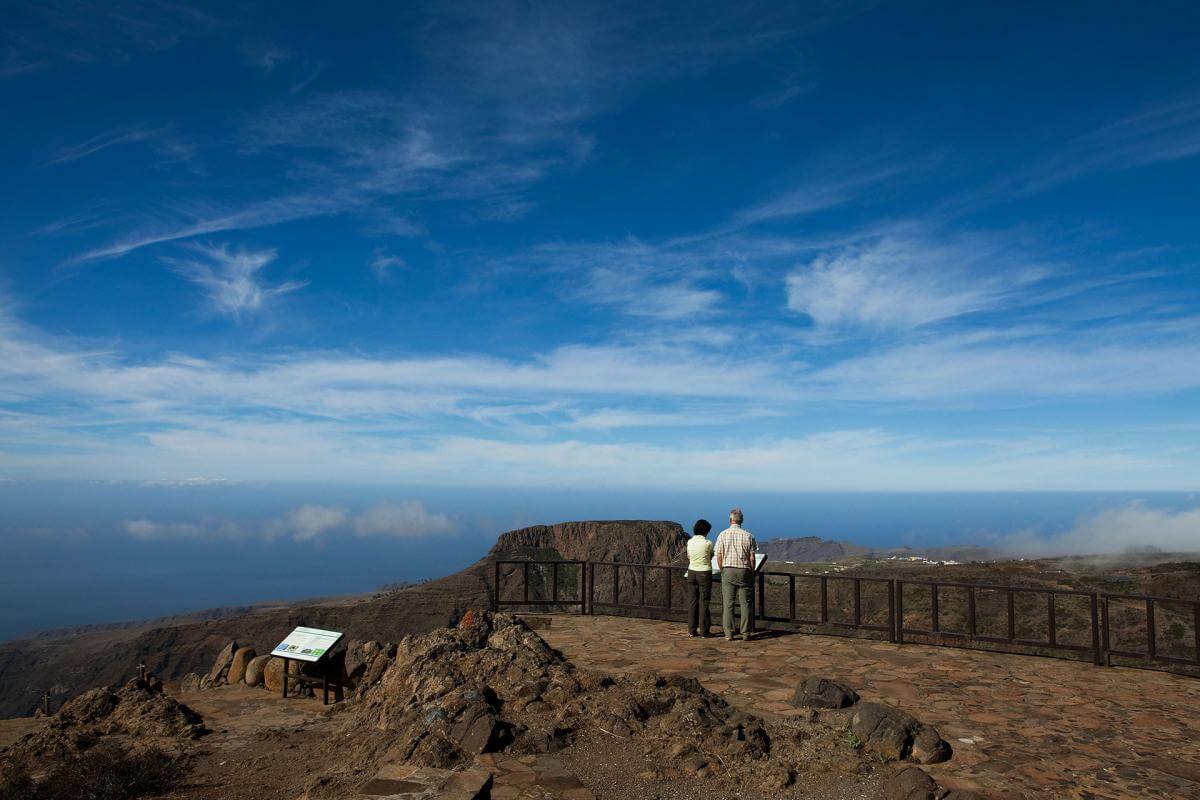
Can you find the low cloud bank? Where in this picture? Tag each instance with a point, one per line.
(307, 523)
(1128, 529)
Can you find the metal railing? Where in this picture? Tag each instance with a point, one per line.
(1004, 622)
(526, 566)
(1009, 637)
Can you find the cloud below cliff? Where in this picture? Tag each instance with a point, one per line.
(1129, 528)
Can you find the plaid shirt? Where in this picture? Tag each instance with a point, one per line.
(735, 548)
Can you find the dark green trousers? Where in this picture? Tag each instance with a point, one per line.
(735, 581)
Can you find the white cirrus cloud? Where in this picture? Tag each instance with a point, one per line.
(902, 283)
(231, 277)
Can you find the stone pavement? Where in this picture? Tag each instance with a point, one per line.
(1021, 726)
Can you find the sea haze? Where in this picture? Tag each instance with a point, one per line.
(82, 553)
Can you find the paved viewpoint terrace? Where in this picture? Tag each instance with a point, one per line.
(1021, 726)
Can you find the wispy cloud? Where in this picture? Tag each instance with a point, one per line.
(103, 141)
(901, 283)
(306, 523)
(231, 278)
(82, 31)
(383, 264)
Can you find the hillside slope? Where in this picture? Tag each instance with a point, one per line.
(69, 664)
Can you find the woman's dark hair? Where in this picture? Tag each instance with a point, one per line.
(701, 528)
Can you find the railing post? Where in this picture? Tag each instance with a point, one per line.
(971, 610)
(1196, 628)
(1012, 616)
(616, 582)
(824, 599)
(496, 588)
(1051, 619)
(857, 602)
(760, 610)
(554, 580)
(643, 571)
(892, 611)
(1151, 644)
(526, 582)
(669, 601)
(934, 609)
(1106, 642)
(899, 612)
(792, 605)
(591, 584)
(1096, 630)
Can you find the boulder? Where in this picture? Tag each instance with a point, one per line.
(817, 692)
(220, 667)
(206, 682)
(928, 747)
(892, 734)
(354, 663)
(190, 683)
(910, 783)
(255, 669)
(237, 668)
(273, 673)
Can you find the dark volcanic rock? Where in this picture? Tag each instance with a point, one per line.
(494, 685)
(817, 692)
(894, 734)
(911, 783)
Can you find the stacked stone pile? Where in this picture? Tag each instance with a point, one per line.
(357, 665)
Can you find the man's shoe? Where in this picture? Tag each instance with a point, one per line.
(692, 634)
(729, 638)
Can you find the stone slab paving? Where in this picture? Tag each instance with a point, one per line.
(1021, 726)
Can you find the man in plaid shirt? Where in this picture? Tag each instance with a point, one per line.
(735, 558)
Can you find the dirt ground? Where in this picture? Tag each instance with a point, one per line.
(261, 746)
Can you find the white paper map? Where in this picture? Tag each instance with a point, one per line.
(307, 644)
(759, 558)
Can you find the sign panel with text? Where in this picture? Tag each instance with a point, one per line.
(307, 644)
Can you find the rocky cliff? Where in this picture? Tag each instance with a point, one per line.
(628, 541)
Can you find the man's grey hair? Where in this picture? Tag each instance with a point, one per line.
(736, 515)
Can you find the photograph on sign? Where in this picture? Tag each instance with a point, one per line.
(307, 644)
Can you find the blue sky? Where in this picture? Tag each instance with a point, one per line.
(771, 247)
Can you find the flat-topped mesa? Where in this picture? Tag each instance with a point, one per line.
(627, 541)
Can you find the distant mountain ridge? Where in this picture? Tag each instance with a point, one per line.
(814, 549)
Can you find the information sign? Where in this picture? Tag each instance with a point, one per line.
(307, 644)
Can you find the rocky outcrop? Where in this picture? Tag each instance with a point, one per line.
(633, 541)
(493, 685)
(237, 668)
(817, 692)
(189, 683)
(893, 734)
(138, 710)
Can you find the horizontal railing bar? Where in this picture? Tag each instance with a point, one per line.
(987, 587)
(1143, 597)
(559, 602)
